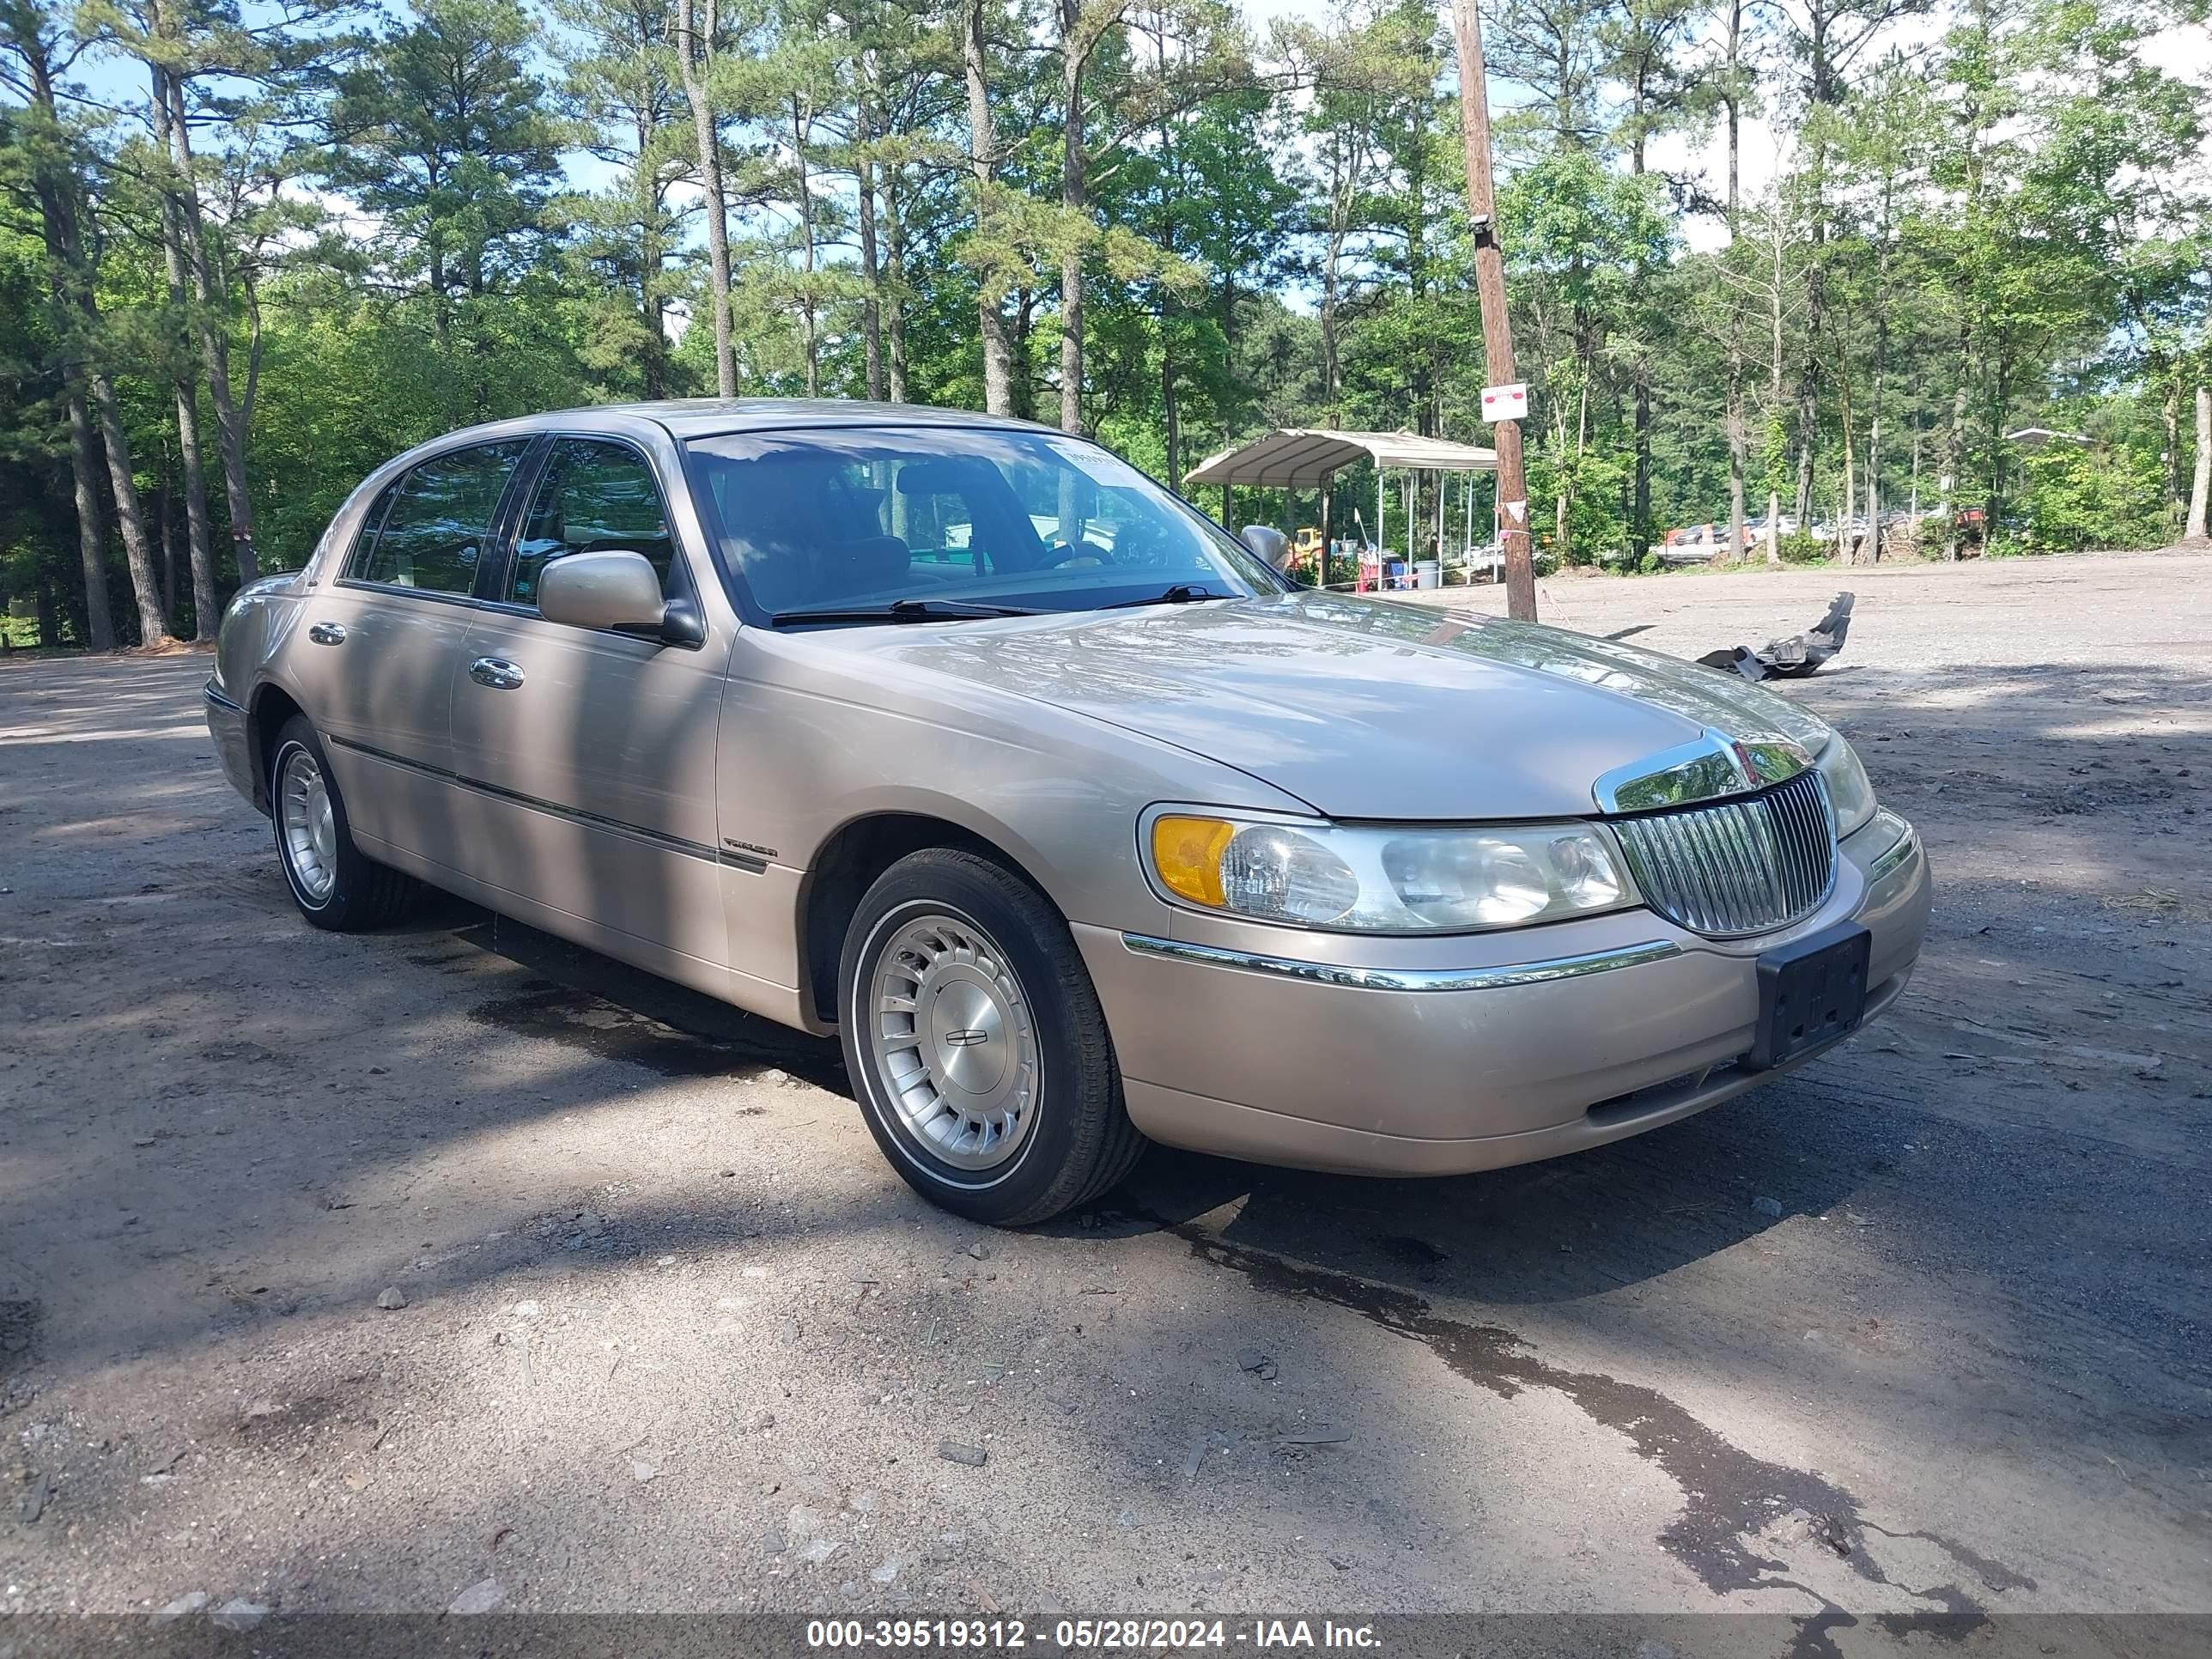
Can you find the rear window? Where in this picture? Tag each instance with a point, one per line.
(437, 530)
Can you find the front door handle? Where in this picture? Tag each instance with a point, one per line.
(497, 673)
(327, 634)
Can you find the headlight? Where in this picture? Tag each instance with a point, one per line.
(1851, 796)
(1379, 880)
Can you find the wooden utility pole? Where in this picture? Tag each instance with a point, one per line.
(1497, 328)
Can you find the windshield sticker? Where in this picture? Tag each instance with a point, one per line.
(1108, 472)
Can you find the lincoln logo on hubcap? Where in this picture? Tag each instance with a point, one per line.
(966, 1039)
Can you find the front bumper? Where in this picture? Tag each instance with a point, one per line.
(226, 724)
(1389, 1057)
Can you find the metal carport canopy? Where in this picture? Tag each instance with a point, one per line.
(1304, 457)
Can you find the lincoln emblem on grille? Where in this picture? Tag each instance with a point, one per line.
(1709, 766)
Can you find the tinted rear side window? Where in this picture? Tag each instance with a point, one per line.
(437, 529)
(364, 541)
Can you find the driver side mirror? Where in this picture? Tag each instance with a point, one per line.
(602, 590)
(1270, 544)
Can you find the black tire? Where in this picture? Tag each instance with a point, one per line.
(1081, 1143)
(363, 893)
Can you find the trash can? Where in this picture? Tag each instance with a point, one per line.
(1428, 573)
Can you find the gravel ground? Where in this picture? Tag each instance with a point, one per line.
(452, 1266)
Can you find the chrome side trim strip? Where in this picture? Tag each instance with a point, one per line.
(211, 695)
(1405, 979)
(1905, 848)
(689, 850)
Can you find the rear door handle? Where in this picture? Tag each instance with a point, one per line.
(497, 673)
(327, 634)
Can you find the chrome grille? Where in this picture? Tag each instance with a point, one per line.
(1745, 866)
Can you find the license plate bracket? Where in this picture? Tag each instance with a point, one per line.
(1810, 993)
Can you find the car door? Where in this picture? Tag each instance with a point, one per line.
(588, 754)
(374, 670)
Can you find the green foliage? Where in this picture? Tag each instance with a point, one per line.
(468, 208)
(2076, 496)
(1802, 547)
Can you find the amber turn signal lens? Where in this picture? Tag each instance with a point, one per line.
(1187, 853)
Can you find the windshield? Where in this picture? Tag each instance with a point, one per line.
(859, 519)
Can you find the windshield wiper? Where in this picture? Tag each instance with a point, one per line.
(905, 611)
(1181, 594)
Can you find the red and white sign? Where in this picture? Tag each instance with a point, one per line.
(1505, 403)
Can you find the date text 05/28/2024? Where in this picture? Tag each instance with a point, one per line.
(1085, 1635)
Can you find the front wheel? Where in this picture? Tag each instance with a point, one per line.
(976, 1044)
(333, 882)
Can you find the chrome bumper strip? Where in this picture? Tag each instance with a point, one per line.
(211, 695)
(1901, 853)
(1406, 979)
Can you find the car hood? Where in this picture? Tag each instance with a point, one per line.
(1362, 708)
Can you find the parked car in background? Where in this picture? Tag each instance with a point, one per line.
(1077, 825)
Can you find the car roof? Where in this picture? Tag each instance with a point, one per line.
(699, 418)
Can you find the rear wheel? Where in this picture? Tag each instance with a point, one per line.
(976, 1045)
(335, 885)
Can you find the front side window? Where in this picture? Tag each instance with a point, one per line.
(592, 497)
(438, 527)
(855, 517)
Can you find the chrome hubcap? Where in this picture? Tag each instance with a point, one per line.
(952, 1043)
(311, 833)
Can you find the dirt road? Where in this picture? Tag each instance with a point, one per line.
(1924, 1329)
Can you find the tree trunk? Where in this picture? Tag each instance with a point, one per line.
(1872, 548)
(1561, 472)
(810, 333)
(206, 613)
(1172, 414)
(71, 300)
(2201, 487)
(169, 544)
(1332, 368)
(214, 343)
(130, 513)
(651, 260)
(1331, 364)
(198, 539)
(1737, 442)
(1947, 456)
(1738, 436)
(1074, 200)
(1809, 421)
(91, 522)
(895, 300)
(694, 53)
(1024, 381)
(872, 306)
(983, 160)
(1847, 499)
(2170, 457)
(1640, 512)
(2000, 400)
(1821, 89)
(1913, 505)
